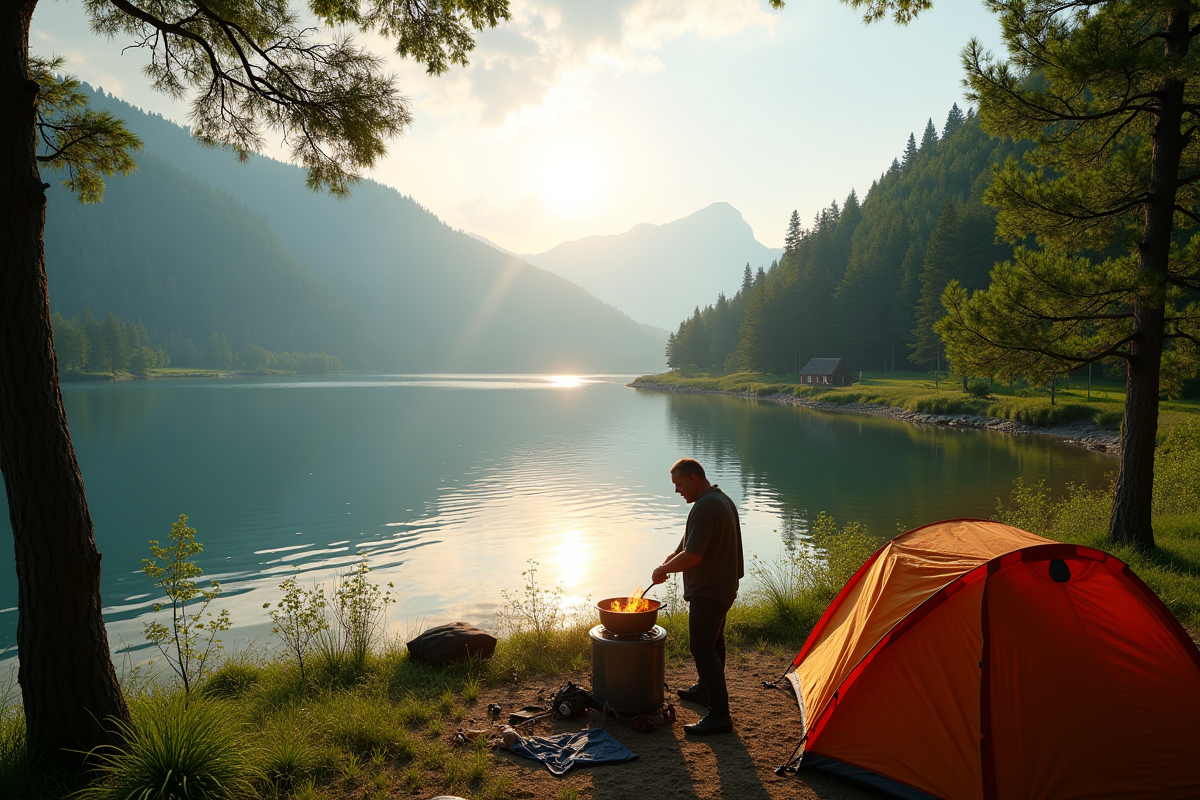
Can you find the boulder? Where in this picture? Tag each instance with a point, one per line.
(452, 642)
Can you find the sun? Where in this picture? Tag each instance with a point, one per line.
(572, 182)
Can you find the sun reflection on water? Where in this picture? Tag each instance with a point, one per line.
(571, 558)
(566, 381)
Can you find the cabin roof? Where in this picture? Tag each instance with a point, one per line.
(821, 366)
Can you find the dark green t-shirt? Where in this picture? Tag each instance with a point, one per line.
(714, 533)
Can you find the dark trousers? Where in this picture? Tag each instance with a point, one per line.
(706, 631)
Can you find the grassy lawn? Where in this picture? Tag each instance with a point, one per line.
(917, 392)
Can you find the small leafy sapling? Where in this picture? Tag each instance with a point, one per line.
(191, 642)
(298, 618)
(536, 610)
(359, 613)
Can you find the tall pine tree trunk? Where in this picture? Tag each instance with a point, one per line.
(1130, 522)
(68, 684)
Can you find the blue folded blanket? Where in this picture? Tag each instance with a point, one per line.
(560, 753)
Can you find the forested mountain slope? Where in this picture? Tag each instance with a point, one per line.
(864, 282)
(168, 249)
(659, 273)
(434, 298)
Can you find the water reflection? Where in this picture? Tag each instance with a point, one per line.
(452, 483)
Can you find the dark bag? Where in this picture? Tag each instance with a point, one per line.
(452, 642)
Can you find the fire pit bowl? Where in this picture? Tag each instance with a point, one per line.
(627, 623)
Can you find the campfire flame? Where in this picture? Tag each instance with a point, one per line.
(634, 604)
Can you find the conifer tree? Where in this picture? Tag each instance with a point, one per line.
(791, 239)
(929, 139)
(747, 282)
(954, 121)
(910, 152)
(1110, 92)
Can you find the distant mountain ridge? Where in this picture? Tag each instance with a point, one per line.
(658, 274)
(430, 298)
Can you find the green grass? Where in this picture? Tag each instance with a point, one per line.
(379, 730)
(917, 392)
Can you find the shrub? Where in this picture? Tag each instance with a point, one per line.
(192, 641)
(287, 759)
(979, 387)
(357, 616)
(231, 680)
(175, 749)
(792, 592)
(1177, 470)
(298, 619)
(541, 633)
(1076, 517)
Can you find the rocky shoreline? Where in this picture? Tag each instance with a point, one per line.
(1080, 434)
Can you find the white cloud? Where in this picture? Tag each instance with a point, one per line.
(542, 61)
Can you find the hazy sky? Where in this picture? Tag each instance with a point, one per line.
(583, 117)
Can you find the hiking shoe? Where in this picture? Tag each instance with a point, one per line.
(711, 723)
(696, 694)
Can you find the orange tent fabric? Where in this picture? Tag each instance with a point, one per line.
(971, 659)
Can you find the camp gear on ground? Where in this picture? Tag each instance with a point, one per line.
(649, 723)
(452, 642)
(571, 700)
(629, 672)
(566, 750)
(529, 714)
(971, 659)
(627, 623)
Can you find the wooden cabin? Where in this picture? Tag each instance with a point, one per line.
(826, 372)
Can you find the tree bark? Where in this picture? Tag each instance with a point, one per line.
(68, 684)
(1130, 522)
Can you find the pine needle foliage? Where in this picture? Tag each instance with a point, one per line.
(87, 145)
(1105, 211)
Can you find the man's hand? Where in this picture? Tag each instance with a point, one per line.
(678, 562)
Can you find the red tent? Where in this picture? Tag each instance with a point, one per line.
(971, 659)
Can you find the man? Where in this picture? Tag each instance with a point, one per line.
(710, 558)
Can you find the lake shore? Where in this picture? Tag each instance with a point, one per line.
(1080, 434)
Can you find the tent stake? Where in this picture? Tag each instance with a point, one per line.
(790, 764)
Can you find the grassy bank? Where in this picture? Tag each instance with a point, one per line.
(917, 392)
(379, 726)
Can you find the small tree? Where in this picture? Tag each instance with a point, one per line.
(359, 614)
(142, 360)
(298, 618)
(191, 642)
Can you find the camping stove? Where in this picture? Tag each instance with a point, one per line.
(628, 672)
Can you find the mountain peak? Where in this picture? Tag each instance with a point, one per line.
(658, 273)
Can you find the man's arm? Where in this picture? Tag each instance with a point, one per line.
(679, 562)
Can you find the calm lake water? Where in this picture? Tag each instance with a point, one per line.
(452, 483)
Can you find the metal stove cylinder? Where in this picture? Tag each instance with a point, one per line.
(628, 671)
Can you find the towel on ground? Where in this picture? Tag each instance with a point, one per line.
(561, 752)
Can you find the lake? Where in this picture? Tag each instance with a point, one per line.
(452, 483)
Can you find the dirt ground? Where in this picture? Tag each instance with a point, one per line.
(670, 764)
